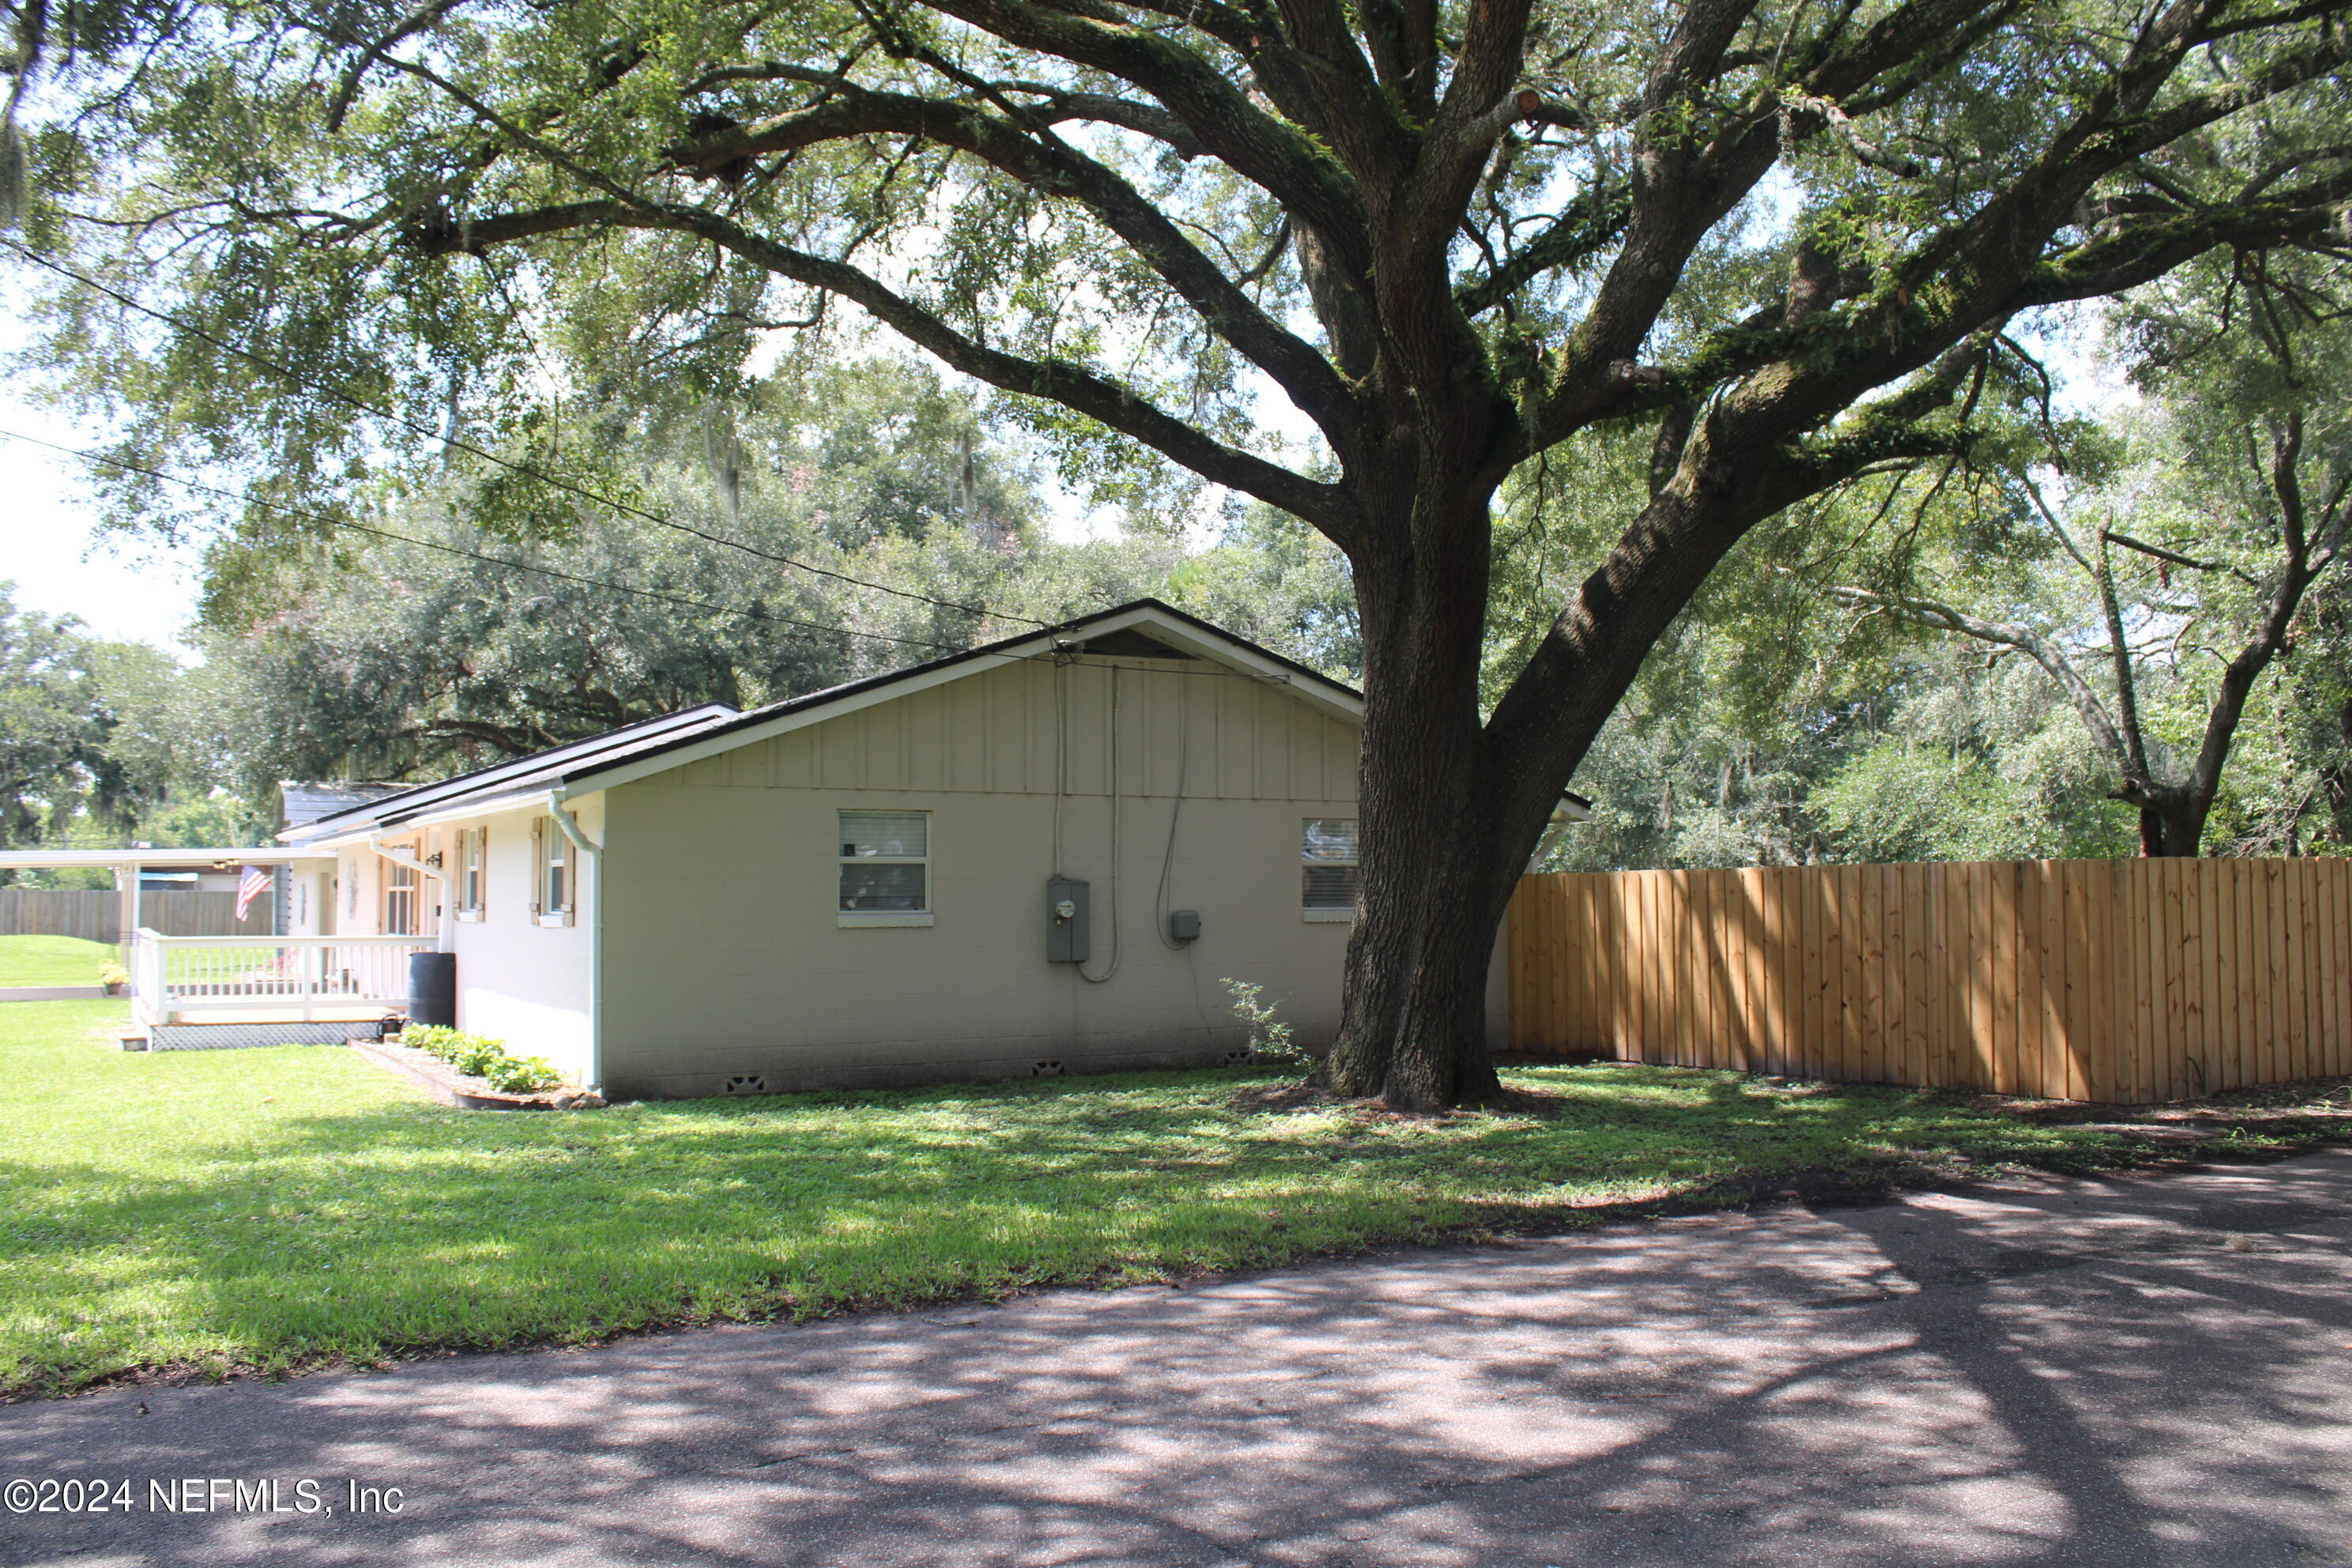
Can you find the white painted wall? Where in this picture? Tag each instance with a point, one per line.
(518, 981)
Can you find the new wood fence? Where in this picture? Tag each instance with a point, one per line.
(96, 915)
(2121, 981)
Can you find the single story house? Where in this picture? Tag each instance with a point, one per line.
(1043, 856)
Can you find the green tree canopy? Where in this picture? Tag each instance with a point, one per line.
(1780, 241)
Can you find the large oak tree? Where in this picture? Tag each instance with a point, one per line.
(1358, 260)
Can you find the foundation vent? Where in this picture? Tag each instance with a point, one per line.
(747, 1083)
(1046, 1069)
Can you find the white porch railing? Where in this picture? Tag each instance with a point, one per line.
(173, 977)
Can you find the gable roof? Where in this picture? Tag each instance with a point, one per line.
(652, 745)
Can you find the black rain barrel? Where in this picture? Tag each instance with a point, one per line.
(433, 988)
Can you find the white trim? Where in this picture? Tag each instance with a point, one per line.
(202, 859)
(407, 856)
(543, 861)
(1333, 913)
(1328, 917)
(884, 917)
(1314, 691)
(471, 855)
(507, 771)
(289, 941)
(588, 880)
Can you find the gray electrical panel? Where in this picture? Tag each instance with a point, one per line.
(1067, 920)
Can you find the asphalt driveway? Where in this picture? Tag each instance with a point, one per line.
(2138, 1371)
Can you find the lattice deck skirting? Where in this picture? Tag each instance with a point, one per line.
(238, 1036)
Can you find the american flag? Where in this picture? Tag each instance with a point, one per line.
(251, 886)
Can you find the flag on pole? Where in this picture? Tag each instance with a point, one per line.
(251, 886)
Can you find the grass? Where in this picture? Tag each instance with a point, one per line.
(52, 960)
(265, 1210)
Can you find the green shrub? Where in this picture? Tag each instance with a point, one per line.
(427, 1037)
(479, 1056)
(522, 1075)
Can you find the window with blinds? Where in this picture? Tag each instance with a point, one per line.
(886, 862)
(1328, 873)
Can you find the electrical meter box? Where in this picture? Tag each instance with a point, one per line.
(1067, 919)
(1183, 925)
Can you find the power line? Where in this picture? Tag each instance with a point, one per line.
(1057, 656)
(338, 522)
(340, 396)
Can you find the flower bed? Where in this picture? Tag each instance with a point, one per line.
(479, 1056)
(473, 1071)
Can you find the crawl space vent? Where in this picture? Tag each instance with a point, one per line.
(1046, 1069)
(748, 1083)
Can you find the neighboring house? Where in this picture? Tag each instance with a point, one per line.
(187, 881)
(988, 866)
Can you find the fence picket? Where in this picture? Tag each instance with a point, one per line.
(2090, 980)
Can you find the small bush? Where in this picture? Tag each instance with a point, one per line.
(1269, 1039)
(523, 1075)
(479, 1056)
(113, 975)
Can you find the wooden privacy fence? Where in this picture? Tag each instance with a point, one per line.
(96, 915)
(2121, 981)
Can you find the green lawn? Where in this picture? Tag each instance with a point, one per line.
(274, 1208)
(51, 960)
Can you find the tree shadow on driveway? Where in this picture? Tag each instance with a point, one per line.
(2136, 1372)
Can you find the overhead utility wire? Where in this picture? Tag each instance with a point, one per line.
(757, 614)
(1057, 656)
(340, 396)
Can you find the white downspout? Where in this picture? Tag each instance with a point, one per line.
(593, 854)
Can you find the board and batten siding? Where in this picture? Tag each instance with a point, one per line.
(723, 955)
(1232, 736)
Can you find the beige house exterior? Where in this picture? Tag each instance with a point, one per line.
(859, 888)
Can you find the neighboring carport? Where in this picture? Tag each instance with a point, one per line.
(128, 866)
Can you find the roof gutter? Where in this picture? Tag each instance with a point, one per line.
(592, 855)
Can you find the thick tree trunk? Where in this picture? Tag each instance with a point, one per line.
(2337, 780)
(1436, 871)
(2174, 826)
